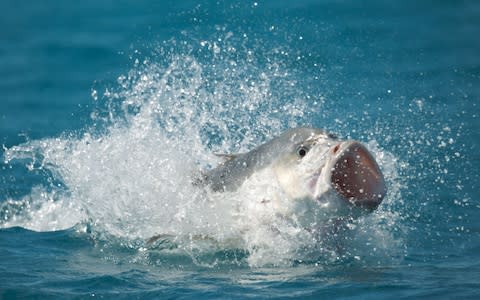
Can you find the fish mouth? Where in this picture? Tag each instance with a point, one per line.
(356, 177)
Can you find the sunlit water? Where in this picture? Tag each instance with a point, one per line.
(91, 197)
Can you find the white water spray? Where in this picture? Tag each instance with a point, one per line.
(130, 174)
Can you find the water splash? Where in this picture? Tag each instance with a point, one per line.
(129, 174)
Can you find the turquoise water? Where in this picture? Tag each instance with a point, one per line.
(108, 107)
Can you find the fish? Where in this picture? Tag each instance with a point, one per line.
(319, 181)
(309, 165)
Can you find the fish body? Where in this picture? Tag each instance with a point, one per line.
(309, 165)
(305, 177)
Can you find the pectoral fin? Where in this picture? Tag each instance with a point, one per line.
(225, 156)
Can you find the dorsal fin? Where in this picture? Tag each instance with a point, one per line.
(225, 156)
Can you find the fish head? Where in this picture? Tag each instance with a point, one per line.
(317, 165)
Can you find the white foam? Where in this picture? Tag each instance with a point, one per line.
(130, 174)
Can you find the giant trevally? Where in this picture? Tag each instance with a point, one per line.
(310, 166)
(305, 175)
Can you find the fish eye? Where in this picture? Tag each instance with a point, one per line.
(332, 136)
(302, 151)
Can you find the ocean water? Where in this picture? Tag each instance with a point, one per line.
(108, 107)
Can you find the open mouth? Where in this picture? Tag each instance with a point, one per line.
(357, 177)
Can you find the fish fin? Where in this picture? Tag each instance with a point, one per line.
(157, 237)
(225, 156)
(161, 242)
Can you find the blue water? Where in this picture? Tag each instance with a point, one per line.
(103, 103)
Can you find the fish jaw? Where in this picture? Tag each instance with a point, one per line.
(355, 175)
